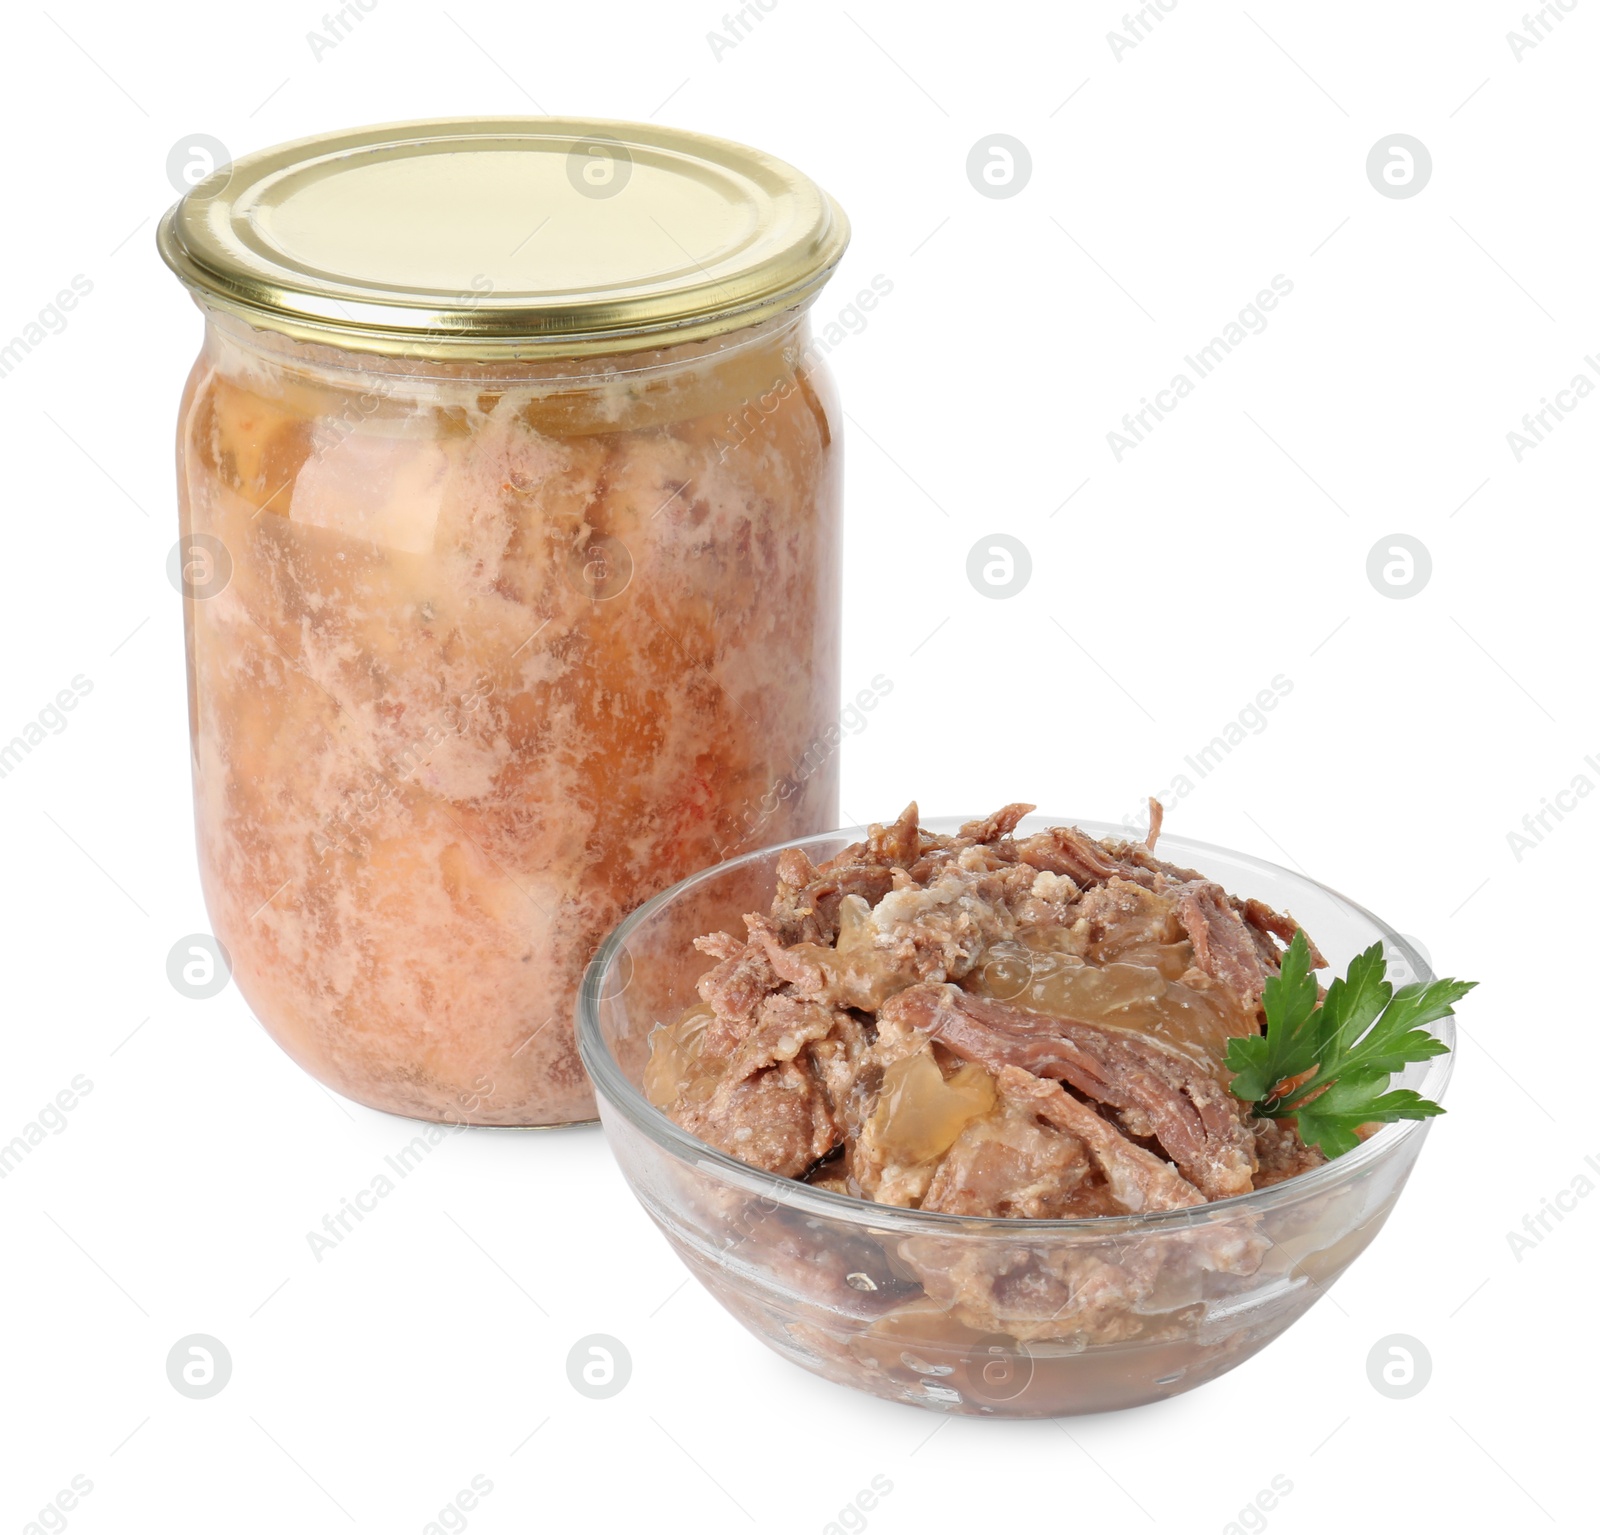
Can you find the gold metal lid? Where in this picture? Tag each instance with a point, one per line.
(493, 237)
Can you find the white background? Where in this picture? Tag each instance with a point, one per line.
(1168, 186)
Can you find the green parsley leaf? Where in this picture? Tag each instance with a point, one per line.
(1331, 1119)
(1289, 1045)
(1328, 1065)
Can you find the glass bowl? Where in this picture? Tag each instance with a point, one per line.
(966, 1314)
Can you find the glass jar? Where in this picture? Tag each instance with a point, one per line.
(511, 576)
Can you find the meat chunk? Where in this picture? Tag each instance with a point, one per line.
(1280, 1153)
(1066, 850)
(790, 964)
(1001, 824)
(915, 932)
(1224, 945)
(899, 844)
(1136, 1180)
(939, 929)
(777, 1120)
(720, 945)
(1263, 919)
(1011, 1164)
(1120, 915)
(735, 987)
(1157, 814)
(1039, 1291)
(846, 1274)
(784, 1026)
(1122, 1289)
(1045, 1154)
(1161, 1094)
(775, 1099)
(806, 907)
(839, 1058)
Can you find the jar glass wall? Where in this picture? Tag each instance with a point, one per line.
(481, 655)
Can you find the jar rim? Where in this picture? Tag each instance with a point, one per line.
(423, 239)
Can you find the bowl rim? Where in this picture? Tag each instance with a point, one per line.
(615, 1091)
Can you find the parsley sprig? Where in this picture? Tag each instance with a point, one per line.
(1328, 1065)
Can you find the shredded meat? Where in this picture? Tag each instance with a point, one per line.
(777, 1120)
(1265, 920)
(898, 844)
(1066, 850)
(787, 963)
(1129, 1289)
(1157, 813)
(1137, 1180)
(778, 1091)
(1224, 946)
(1001, 824)
(806, 908)
(784, 1024)
(735, 987)
(1015, 1163)
(1121, 914)
(998, 1027)
(1160, 1093)
(883, 953)
(1280, 1153)
(839, 1057)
